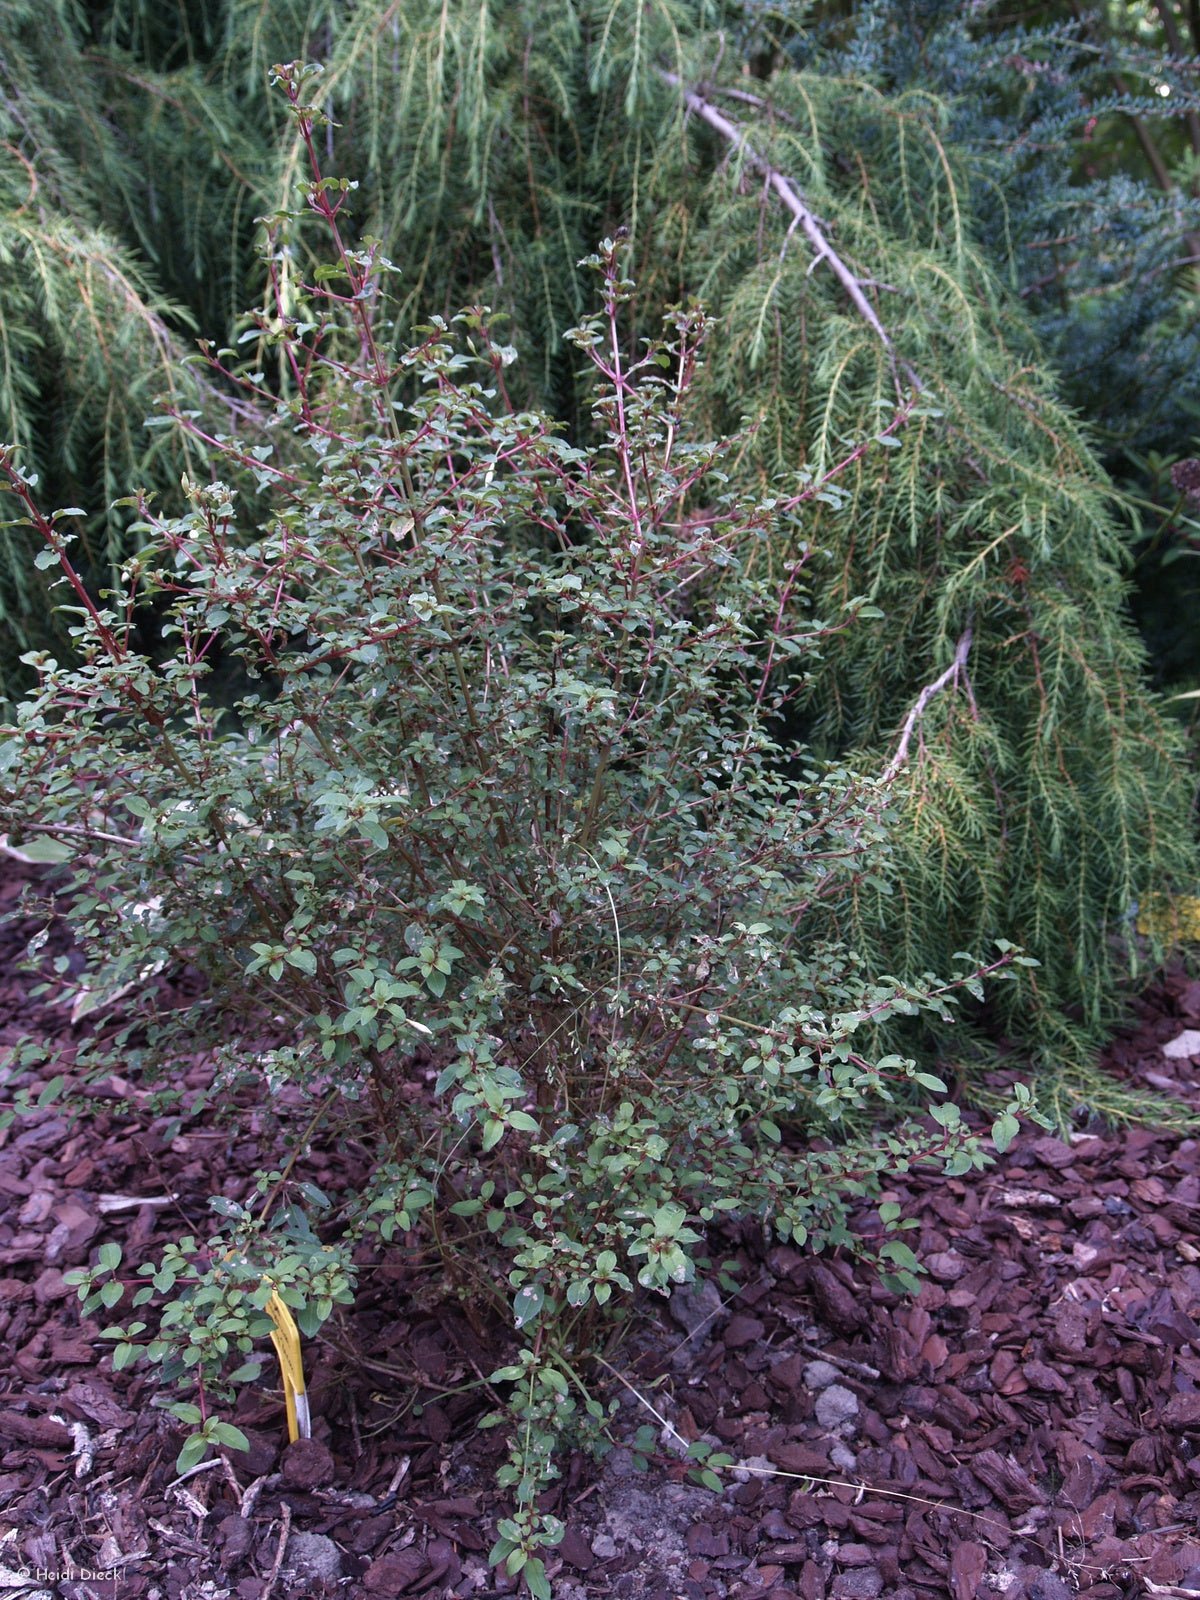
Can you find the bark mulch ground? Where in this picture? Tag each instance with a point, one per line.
(1027, 1427)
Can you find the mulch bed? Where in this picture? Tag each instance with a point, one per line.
(1027, 1427)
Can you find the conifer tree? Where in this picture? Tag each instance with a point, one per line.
(127, 190)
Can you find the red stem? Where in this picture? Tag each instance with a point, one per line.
(43, 525)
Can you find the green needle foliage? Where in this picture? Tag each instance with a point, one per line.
(89, 337)
(1043, 790)
(1044, 795)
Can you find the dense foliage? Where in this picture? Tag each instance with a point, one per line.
(931, 161)
(497, 831)
(1088, 123)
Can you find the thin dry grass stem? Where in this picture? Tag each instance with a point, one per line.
(284, 1532)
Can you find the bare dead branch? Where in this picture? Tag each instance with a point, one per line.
(951, 675)
(787, 192)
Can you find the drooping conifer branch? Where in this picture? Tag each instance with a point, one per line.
(788, 193)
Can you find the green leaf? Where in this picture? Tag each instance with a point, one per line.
(535, 1579)
(227, 1434)
(500, 1550)
(51, 1091)
(1004, 1130)
(669, 1219)
(897, 1251)
(194, 1450)
(49, 851)
(528, 1303)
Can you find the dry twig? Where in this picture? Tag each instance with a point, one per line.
(951, 675)
(787, 192)
(286, 1515)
